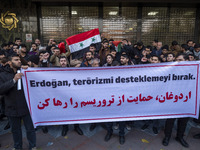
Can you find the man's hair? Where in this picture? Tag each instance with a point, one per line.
(124, 55)
(89, 52)
(57, 48)
(189, 41)
(115, 63)
(157, 57)
(42, 52)
(110, 56)
(16, 45)
(53, 46)
(111, 40)
(139, 43)
(184, 56)
(23, 45)
(4, 44)
(185, 46)
(174, 43)
(165, 47)
(155, 40)
(93, 45)
(149, 47)
(33, 43)
(196, 45)
(17, 39)
(105, 41)
(10, 43)
(13, 55)
(62, 57)
(171, 53)
(191, 54)
(113, 50)
(125, 40)
(2, 52)
(95, 59)
(37, 39)
(4, 60)
(34, 59)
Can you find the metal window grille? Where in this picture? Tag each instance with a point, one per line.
(120, 26)
(84, 18)
(55, 23)
(168, 24)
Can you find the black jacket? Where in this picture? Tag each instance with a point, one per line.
(15, 103)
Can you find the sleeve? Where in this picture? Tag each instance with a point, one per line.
(67, 54)
(6, 86)
(53, 59)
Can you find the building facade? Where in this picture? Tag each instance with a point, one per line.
(134, 20)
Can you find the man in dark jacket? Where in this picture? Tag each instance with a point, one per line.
(137, 52)
(157, 50)
(15, 104)
(181, 122)
(126, 47)
(124, 59)
(63, 64)
(88, 56)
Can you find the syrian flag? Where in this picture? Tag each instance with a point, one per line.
(80, 43)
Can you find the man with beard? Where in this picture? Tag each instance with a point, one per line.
(136, 53)
(34, 48)
(15, 104)
(109, 60)
(154, 43)
(124, 59)
(6, 49)
(170, 57)
(18, 41)
(94, 50)
(95, 62)
(157, 50)
(40, 47)
(154, 59)
(2, 55)
(181, 122)
(63, 64)
(23, 52)
(88, 57)
(104, 51)
(44, 59)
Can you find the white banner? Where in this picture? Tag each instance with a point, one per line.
(84, 95)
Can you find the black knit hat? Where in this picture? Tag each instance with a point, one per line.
(140, 43)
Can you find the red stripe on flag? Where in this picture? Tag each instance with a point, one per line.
(82, 36)
(116, 43)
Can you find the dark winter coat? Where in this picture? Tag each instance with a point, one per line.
(15, 103)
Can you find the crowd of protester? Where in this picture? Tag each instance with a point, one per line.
(14, 55)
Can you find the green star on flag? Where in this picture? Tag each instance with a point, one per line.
(93, 39)
(81, 44)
